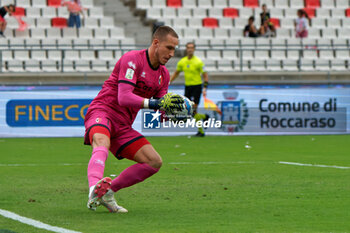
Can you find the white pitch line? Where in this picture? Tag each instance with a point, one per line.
(85, 164)
(34, 223)
(312, 165)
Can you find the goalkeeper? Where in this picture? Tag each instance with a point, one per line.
(137, 77)
(193, 68)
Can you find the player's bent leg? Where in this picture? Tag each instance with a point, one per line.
(148, 163)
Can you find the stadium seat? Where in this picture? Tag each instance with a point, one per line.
(169, 13)
(269, 3)
(55, 55)
(290, 13)
(312, 4)
(21, 55)
(181, 23)
(310, 12)
(154, 13)
(101, 33)
(261, 54)
(32, 43)
(306, 64)
(68, 65)
(96, 12)
(328, 4)
(82, 65)
(277, 13)
(287, 23)
(184, 12)
(310, 54)
(174, 3)
(189, 4)
(229, 55)
(275, 22)
(39, 3)
(107, 22)
(80, 43)
(204, 4)
(15, 66)
(32, 66)
(49, 66)
(59, 22)
(273, 65)
(290, 65)
(64, 43)
(62, 12)
(205, 33)
(342, 4)
(293, 54)
(338, 13)
(38, 33)
(296, 4)
(263, 43)
(38, 55)
(225, 65)
(323, 13)
(96, 43)
(54, 3)
(322, 64)
(199, 13)
(257, 65)
(48, 12)
(282, 4)
(326, 54)
(220, 4)
(143, 4)
(221, 33)
(318, 23)
(329, 33)
(251, 3)
(33, 12)
(158, 3)
(347, 12)
(226, 23)
(230, 13)
(19, 11)
(99, 66)
(338, 65)
(24, 33)
(210, 23)
(16, 43)
(334, 23)
(217, 43)
(213, 55)
(215, 13)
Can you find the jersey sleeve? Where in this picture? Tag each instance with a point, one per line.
(202, 67)
(179, 66)
(128, 70)
(165, 85)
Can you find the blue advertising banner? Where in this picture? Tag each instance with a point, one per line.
(46, 112)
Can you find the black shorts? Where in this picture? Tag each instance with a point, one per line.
(194, 93)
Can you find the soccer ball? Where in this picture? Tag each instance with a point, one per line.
(185, 113)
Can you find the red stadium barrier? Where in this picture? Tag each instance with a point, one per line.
(54, 3)
(310, 12)
(230, 12)
(19, 11)
(174, 3)
(210, 23)
(312, 4)
(275, 22)
(347, 12)
(59, 22)
(251, 3)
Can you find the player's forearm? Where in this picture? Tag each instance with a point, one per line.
(174, 76)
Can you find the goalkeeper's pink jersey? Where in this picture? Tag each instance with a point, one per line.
(133, 68)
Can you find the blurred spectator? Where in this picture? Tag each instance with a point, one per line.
(301, 24)
(265, 14)
(75, 9)
(3, 11)
(250, 29)
(267, 29)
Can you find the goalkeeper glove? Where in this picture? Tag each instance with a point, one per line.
(167, 102)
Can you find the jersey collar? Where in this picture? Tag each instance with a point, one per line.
(149, 62)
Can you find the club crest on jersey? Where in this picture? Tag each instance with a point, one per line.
(160, 79)
(98, 120)
(132, 65)
(129, 74)
(143, 75)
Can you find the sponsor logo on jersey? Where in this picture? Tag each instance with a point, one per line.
(132, 65)
(129, 74)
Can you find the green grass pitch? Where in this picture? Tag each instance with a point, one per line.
(245, 190)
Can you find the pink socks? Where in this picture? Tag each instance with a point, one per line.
(133, 175)
(97, 165)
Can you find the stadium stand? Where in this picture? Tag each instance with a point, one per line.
(216, 26)
(46, 44)
(328, 32)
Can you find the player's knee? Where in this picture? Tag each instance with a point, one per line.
(156, 162)
(100, 140)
